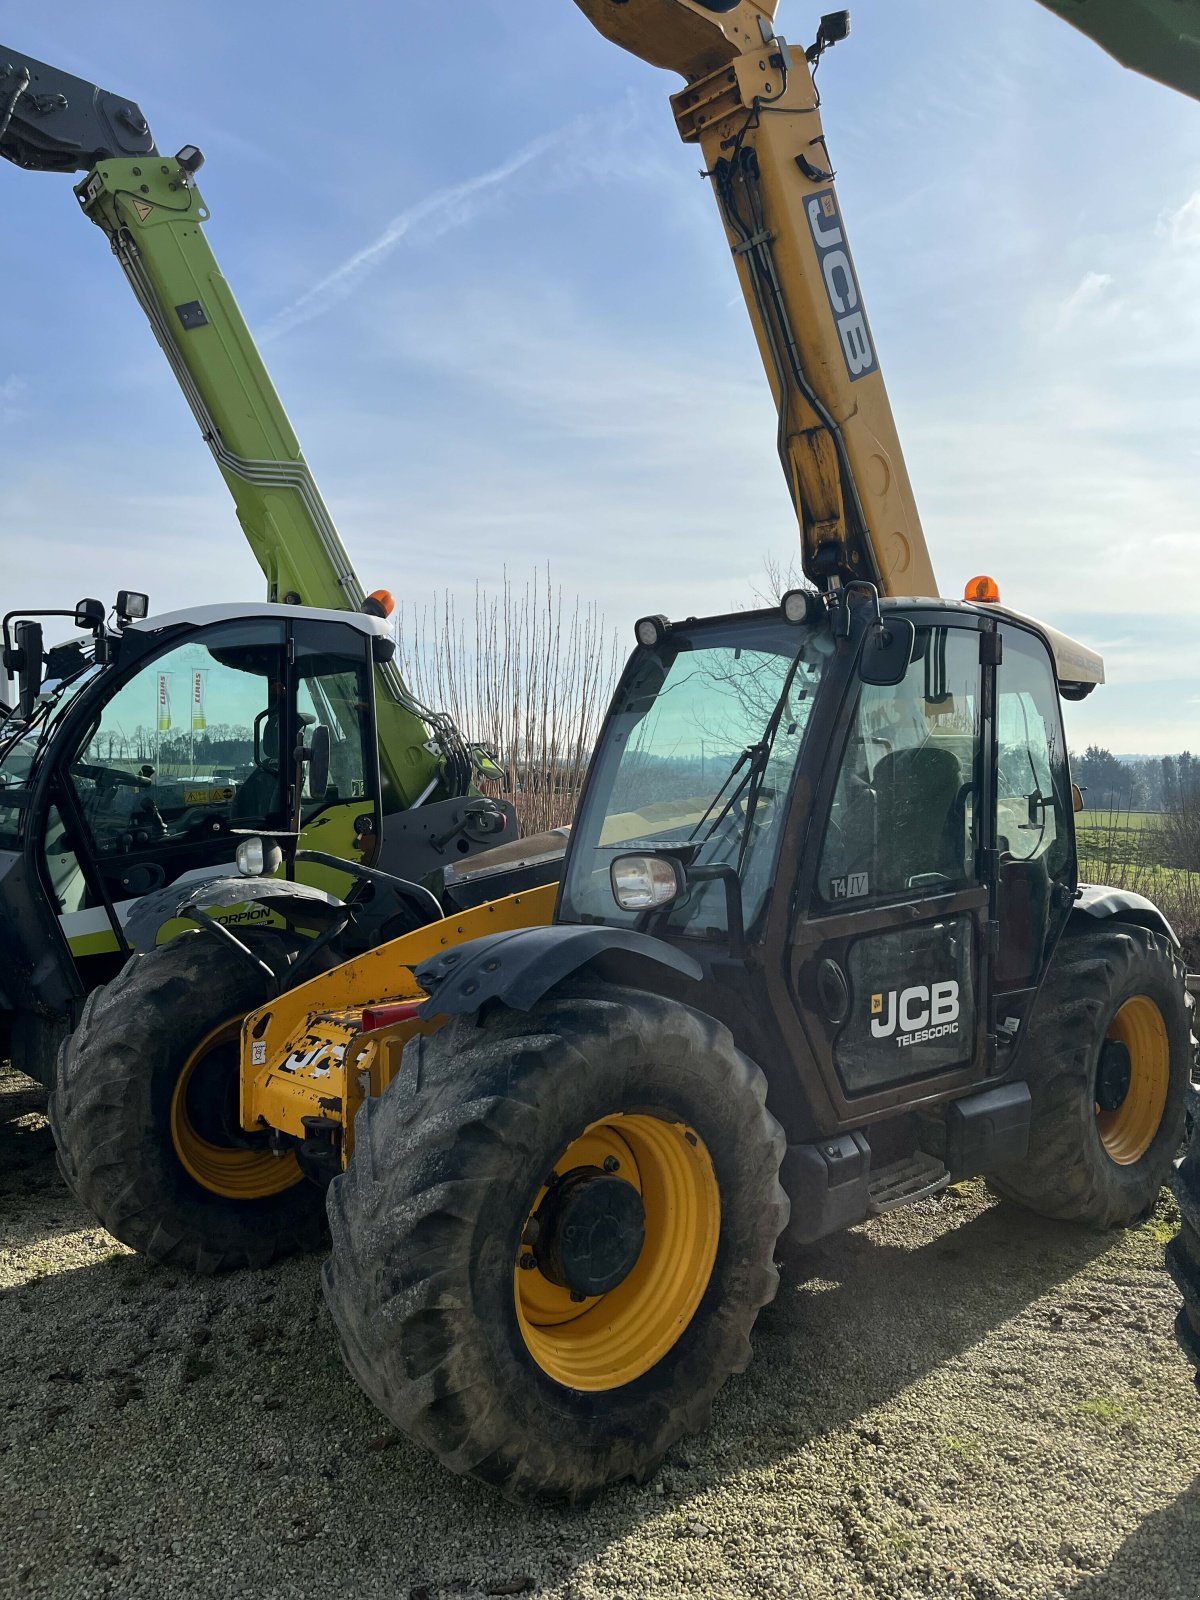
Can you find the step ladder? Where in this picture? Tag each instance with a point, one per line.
(904, 1181)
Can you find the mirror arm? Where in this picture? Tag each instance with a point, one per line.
(722, 872)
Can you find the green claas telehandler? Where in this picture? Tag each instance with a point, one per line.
(149, 761)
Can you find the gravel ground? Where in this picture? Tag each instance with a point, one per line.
(958, 1401)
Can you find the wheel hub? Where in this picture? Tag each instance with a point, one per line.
(1113, 1075)
(588, 1232)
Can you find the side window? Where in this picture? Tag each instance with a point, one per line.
(190, 745)
(903, 814)
(1033, 828)
(1031, 777)
(333, 690)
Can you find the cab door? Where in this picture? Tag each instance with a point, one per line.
(334, 688)
(889, 965)
(1035, 836)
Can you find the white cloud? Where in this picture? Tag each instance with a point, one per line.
(452, 206)
(1182, 225)
(1088, 294)
(12, 397)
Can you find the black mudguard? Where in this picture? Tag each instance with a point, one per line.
(299, 903)
(521, 966)
(1121, 905)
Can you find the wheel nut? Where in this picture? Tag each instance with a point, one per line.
(577, 1295)
(527, 1263)
(611, 1164)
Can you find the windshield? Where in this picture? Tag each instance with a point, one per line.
(699, 752)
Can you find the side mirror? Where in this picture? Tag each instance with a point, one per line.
(654, 882)
(266, 737)
(887, 651)
(316, 755)
(1076, 797)
(28, 637)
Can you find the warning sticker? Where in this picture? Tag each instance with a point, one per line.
(206, 797)
(143, 208)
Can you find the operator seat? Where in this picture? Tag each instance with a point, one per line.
(921, 830)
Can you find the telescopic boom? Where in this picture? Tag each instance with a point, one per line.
(752, 107)
(152, 213)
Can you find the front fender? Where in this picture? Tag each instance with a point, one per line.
(520, 967)
(1121, 905)
(299, 903)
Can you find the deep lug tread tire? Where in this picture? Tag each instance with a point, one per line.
(426, 1220)
(1067, 1174)
(110, 1112)
(1183, 1253)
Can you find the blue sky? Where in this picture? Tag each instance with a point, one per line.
(497, 301)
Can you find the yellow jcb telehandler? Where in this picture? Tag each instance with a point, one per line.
(817, 950)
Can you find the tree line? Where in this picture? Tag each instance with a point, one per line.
(1154, 783)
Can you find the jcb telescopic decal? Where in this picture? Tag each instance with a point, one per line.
(841, 284)
(916, 1015)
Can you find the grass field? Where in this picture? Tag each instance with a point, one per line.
(1130, 850)
(1125, 821)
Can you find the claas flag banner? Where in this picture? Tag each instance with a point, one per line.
(198, 717)
(164, 703)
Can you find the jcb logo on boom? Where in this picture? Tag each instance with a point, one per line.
(841, 284)
(916, 1015)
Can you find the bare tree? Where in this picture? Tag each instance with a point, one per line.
(528, 674)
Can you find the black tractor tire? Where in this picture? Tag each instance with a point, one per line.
(1068, 1174)
(116, 1131)
(428, 1221)
(1183, 1253)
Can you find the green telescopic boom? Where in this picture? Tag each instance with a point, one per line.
(152, 213)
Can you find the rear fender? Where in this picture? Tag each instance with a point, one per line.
(237, 903)
(518, 968)
(1120, 905)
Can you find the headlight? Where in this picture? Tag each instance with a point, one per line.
(642, 882)
(250, 857)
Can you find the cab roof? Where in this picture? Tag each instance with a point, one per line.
(1074, 663)
(203, 616)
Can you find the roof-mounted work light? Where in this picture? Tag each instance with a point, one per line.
(650, 631)
(131, 606)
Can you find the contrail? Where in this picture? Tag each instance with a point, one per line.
(436, 214)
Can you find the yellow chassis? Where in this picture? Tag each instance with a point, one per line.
(304, 1055)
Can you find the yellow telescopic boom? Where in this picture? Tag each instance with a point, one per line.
(751, 105)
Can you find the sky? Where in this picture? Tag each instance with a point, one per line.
(495, 296)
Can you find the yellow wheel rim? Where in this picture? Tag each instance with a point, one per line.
(611, 1339)
(1128, 1131)
(223, 1168)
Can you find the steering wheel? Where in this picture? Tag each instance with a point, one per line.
(109, 777)
(766, 791)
